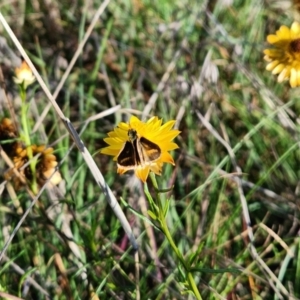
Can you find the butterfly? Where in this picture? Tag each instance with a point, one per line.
(137, 151)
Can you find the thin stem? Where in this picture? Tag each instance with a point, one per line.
(164, 227)
(24, 109)
(26, 137)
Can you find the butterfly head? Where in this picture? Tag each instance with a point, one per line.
(132, 135)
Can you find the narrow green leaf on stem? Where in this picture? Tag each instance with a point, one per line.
(152, 215)
(161, 218)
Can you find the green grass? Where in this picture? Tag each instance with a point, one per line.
(71, 245)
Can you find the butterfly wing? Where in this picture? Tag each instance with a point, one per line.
(148, 151)
(128, 156)
(137, 151)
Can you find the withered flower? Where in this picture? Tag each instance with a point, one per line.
(8, 136)
(45, 166)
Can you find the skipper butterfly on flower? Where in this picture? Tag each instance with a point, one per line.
(137, 151)
(141, 146)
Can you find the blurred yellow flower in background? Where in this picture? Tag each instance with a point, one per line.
(24, 75)
(142, 147)
(284, 57)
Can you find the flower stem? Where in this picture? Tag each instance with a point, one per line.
(26, 137)
(24, 109)
(164, 227)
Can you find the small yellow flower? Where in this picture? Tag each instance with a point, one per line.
(284, 58)
(142, 147)
(24, 75)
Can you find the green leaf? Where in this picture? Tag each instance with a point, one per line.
(182, 275)
(196, 254)
(139, 214)
(152, 215)
(165, 190)
(166, 208)
(215, 271)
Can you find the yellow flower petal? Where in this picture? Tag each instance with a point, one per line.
(272, 65)
(278, 69)
(282, 75)
(157, 168)
(272, 38)
(166, 157)
(110, 151)
(167, 126)
(295, 78)
(142, 173)
(283, 32)
(295, 28)
(172, 146)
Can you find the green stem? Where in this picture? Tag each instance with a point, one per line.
(24, 108)
(164, 227)
(26, 137)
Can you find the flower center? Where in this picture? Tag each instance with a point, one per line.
(295, 45)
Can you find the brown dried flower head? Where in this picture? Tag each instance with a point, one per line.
(45, 167)
(8, 135)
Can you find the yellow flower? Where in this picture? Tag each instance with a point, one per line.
(142, 147)
(24, 75)
(284, 58)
